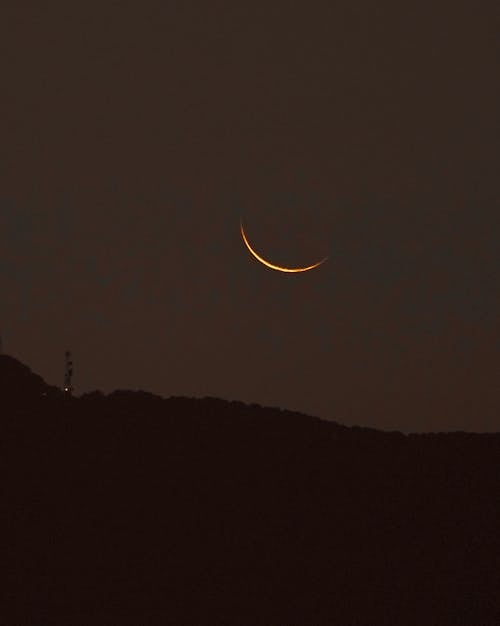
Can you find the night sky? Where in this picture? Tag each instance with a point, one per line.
(134, 136)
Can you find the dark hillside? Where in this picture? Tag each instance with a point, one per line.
(132, 509)
(19, 385)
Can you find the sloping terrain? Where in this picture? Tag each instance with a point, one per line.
(132, 509)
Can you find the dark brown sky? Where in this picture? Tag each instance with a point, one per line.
(134, 135)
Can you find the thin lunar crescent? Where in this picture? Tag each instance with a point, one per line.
(279, 268)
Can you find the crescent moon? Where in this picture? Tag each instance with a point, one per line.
(278, 268)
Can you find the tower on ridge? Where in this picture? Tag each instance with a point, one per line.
(68, 373)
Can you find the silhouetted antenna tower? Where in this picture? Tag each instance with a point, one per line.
(68, 373)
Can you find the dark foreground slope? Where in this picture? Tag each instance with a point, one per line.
(129, 509)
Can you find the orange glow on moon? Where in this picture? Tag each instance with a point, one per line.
(279, 268)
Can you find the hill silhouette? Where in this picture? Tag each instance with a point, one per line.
(132, 509)
(18, 384)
